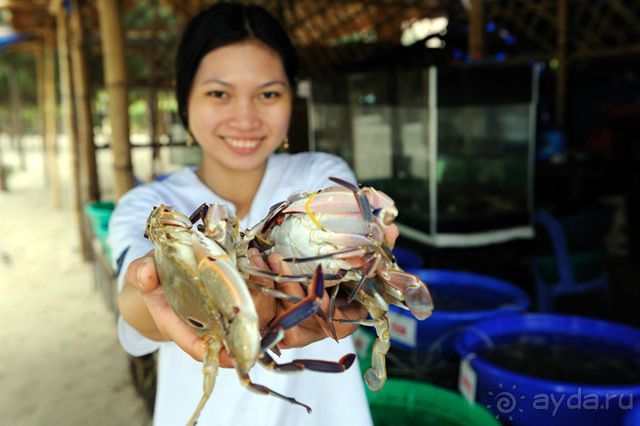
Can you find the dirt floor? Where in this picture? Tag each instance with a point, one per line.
(60, 360)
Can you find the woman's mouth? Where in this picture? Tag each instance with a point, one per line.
(242, 145)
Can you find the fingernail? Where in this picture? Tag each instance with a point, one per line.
(141, 271)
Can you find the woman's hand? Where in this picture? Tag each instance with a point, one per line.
(144, 306)
(315, 328)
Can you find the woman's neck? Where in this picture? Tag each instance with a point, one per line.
(237, 186)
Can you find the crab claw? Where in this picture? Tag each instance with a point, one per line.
(298, 313)
(410, 289)
(419, 301)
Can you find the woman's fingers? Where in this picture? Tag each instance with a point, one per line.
(344, 311)
(265, 305)
(142, 273)
(311, 329)
(391, 234)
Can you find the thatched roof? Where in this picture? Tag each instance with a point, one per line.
(337, 35)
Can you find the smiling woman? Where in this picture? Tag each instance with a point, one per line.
(235, 74)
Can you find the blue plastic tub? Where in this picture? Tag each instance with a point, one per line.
(408, 258)
(524, 399)
(633, 417)
(460, 298)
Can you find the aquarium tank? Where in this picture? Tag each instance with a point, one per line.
(453, 146)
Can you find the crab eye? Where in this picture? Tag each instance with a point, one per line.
(376, 212)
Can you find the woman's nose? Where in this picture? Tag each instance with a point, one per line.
(245, 115)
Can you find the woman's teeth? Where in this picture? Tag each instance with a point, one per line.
(242, 143)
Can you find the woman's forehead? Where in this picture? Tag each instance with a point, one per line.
(241, 62)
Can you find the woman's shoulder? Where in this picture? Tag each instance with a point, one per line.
(311, 170)
(309, 162)
(159, 190)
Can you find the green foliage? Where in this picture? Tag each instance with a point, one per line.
(23, 65)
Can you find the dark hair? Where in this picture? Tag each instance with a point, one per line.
(223, 24)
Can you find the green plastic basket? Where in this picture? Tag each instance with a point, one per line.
(99, 213)
(403, 402)
(408, 403)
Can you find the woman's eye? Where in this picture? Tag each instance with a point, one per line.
(219, 94)
(270, 95)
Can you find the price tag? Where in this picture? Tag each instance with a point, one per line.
(362, 340)
(403, 328)
(468, 379)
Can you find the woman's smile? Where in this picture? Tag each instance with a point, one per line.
(243, 145)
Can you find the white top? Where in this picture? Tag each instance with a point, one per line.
(336, 399)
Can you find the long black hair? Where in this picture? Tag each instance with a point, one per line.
(223, 24)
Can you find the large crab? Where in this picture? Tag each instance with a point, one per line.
(343, 229)
(204, 287)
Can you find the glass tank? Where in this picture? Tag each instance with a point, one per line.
(453, 146)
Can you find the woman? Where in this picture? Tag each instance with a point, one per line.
(235, 78)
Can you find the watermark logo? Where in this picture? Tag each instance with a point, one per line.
(505, 402)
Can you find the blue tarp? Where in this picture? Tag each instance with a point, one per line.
(7, 39)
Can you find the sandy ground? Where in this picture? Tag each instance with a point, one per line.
(60, 360)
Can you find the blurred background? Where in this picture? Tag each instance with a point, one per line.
(506, 131)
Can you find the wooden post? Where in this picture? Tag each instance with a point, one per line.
(561, 72)
(87, 150)
(15, 106)
(40, 77)
(51, 134)
(111, 32)
(476, 30)
(153, 94)
(66, 95)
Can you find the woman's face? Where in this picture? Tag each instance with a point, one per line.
(239, 105)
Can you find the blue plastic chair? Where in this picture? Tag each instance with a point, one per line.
(547, 292)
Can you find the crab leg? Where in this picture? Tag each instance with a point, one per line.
(297, 314)
(338, 254)
(309, 364)
(376, 376)
(246, 382)
(199, 213)
(288, 319)
(298, 278)
(273, 293)
(332, 310)
(210, 370)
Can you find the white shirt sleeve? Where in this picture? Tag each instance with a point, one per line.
(127, 242)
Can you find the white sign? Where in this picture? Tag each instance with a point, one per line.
(403, 328)
(468, 379)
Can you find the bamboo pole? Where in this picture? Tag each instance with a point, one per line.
(41, 81)
(15, 106)
(51, 133)
(153, 94)
(3, 177)
(111, 32)
(476, 30)
(68, 113)
(87, 151)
